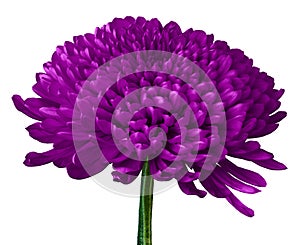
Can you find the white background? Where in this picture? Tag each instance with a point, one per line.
(44, 206)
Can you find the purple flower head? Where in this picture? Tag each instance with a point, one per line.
(96, 95)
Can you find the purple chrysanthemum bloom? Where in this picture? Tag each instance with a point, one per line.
(248, 96)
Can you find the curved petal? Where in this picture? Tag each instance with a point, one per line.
(242, 208)
(234, 183)
(271, 164)
(20, 104)
(123, 178)
(37, 132)
(259, 155)
(277, 117)
(189, 188)
(214, 187)
(77, 172)
(38, 159)
(128, 166)
(243, 174)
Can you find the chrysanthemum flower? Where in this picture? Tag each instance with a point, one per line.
(248, 96)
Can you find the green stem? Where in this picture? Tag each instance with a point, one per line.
(145, 210)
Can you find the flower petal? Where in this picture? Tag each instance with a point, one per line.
(271, 164)
(37, 132)
(243, 174)
(20, 104)
(215, 187)
(277, 117)
(259, 154)
(235, 202)
(77, 172)
(38, 159)
(123, 178)
(232, 182)
(189, 188)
